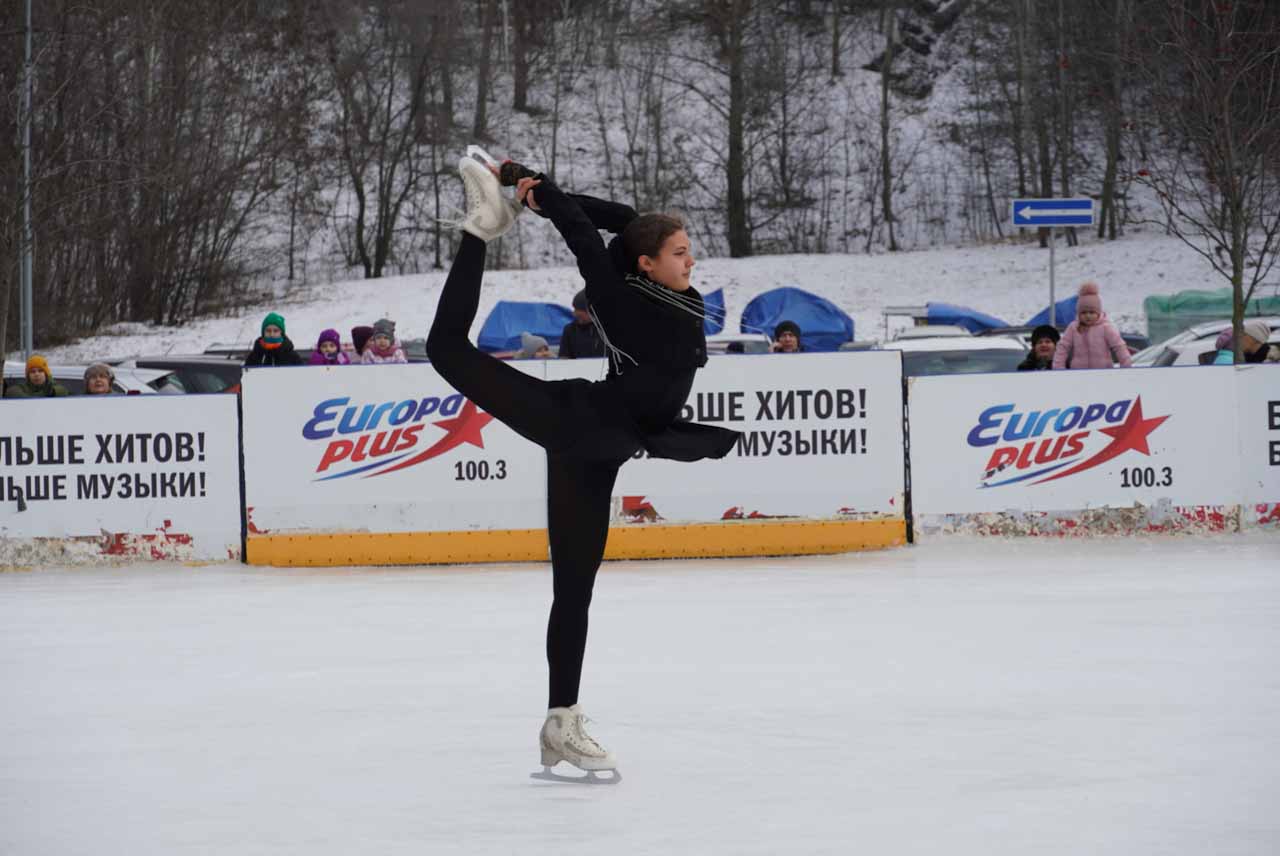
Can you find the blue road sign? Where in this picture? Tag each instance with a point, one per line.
(1052, 212)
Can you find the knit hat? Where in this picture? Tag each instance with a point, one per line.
(99, 370)
(360, 337)
(580, 300)
(273, 318)
(1223, 342)
(38, 362)
(786, 327)
(329, 336)
(1089, 299)
(1045, 331)
(1257, 329)
(384, 327)
(530, 345)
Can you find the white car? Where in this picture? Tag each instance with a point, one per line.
(958, 355)
(1164, 353)
(129, 381)
(1188, 353)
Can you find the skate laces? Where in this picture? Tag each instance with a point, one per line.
(580, 730)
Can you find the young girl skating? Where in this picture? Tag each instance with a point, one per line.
(650, 318)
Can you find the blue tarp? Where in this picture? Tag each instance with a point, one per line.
(962, 316)
(713, 305)
(510, 318)
(823, 325)
(1066, 313)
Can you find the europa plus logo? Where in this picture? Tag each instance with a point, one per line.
(1040, 446)
(381, 437)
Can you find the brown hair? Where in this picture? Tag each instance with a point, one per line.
(645, 235)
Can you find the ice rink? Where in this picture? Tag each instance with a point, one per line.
(1116, 696)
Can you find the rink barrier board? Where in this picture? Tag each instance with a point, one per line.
(666, 541)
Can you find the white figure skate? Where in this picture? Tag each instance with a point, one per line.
(564, 738)
(489, 212)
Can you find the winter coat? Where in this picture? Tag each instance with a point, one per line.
(659, 346)
(284, 355)
(580, 340)
(1034, 364)
(372, 357)
(26, 389)
(1097, 346)
(319, 359)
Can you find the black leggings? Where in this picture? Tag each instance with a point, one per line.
(579, 491)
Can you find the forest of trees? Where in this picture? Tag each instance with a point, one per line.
(188, 154)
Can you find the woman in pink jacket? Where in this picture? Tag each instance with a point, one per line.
(1091, 341)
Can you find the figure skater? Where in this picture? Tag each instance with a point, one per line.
(650, 318)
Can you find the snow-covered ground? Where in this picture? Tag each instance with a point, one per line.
(1007, 280)
(1117, 696)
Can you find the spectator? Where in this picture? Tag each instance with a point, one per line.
(328, 350)
(786, 338)
(382, 346)
(1091, 341)
(532, 348)
(1253, 343)
(735, 348)
(38, 382)
(98, 379)
(274, 347)
(580, 337)
(360, 339)
(1223, 354)
(1044, 341)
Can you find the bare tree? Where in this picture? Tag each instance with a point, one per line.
(378, 76)
(1214, 69)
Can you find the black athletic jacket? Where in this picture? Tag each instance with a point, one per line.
(661, 345)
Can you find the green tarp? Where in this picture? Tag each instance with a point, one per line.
(1168, 315)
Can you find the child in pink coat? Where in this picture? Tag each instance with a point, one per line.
(1091, 341)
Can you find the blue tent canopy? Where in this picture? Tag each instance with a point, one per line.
(713, 318)
(510, 318)
(1065, 312)
(962, 316)
(823, 325)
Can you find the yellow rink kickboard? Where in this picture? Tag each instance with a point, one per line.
(687, 541)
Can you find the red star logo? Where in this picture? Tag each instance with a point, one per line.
(463, 428)
(1130, 434)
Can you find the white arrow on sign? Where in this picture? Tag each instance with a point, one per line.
(1027, 212)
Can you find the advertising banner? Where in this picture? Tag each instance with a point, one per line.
(384, 448)
(1049, 441)
(821, 439)
(147, 476)
(1258, 409)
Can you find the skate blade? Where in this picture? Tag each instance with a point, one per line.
(589, 777)
(482, 155)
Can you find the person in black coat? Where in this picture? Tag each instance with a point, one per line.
(580, 338)
(1044, 341)
(273, 348)
(650, 320)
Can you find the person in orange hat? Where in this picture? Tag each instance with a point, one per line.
(38, 383)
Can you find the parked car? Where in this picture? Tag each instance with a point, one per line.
(1156, 354)
(1189, 353)
(957, 355)
(932, 331)
(1135, 341)
(196, 372)
(752, 343)
(130, 381)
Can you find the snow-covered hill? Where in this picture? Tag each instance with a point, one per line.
(1007, 280)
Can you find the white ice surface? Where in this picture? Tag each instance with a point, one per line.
(960, 697)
